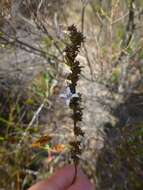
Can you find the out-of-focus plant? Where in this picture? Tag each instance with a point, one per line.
(120, 162)
(19, 123)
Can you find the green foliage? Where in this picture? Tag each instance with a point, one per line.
(141, 54)
(47, 42)
(43, 84)
(1, 33)
(120, 31)
(16, 112)
(129, 49)
(115, 75)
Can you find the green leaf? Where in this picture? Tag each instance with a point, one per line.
(115, 75)
(2, 138)
(47, 42)
(141, 54)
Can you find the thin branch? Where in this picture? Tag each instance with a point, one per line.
(42, 26)
(120, 18)
(84, 5)
(130, 27)
(35, 116)
(24, 46)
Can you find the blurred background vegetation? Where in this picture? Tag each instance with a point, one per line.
(35, 124)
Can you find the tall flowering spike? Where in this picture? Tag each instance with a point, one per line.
(71, 51)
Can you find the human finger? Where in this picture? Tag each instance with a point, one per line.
(82, 183)
(61, 180)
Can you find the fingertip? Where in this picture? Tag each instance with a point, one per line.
(83, 184)
(60, 180)
(63, 179)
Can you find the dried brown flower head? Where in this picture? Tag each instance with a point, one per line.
(71, 51)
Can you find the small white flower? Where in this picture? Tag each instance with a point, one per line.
(68, 95)
(67, 70)
(66, 32)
